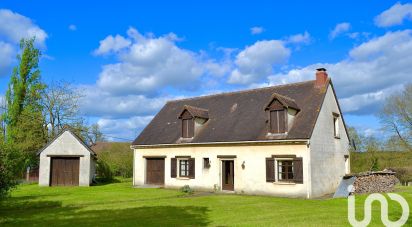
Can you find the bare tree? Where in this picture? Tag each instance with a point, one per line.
(396, 116)
(61, 107)
(94, 134)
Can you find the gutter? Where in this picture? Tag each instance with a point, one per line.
(295, 141)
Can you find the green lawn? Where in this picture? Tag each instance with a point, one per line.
(119, 204)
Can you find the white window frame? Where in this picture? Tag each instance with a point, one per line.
(336, 119)
(178, 168)
(277, 180)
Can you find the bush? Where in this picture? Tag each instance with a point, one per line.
(404, 174)
(186, 189)
(10, 166)
(104, 172)
(119, 158)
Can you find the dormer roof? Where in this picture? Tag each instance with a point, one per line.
(195, 112)
(284, 100)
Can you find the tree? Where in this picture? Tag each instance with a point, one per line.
(23, 116)
(95, 135)
(356, 140)
(60, 101)
(372, 146)
(396, 116)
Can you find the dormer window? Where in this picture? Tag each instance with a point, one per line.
(188, 125)
(280, 109)
(192, 118)
(277, 118)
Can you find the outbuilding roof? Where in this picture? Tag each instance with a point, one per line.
(238, 116)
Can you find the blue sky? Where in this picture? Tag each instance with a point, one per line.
(130, 57)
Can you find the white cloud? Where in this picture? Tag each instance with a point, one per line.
(148, 64)
(99, 103)
(257, 61)
(394, 15)
(372, 70)
(14, 27)
(112, 45)
(256, 30)
(123, 128)
(300, 38)
(339, 29)
(7, 57)
(72, 27)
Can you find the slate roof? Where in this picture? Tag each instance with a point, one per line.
(237, 116)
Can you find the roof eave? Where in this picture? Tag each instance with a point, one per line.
(284, 141)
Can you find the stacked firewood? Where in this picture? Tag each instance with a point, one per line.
(375, 182)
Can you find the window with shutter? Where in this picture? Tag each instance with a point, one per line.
(277, 121)
(188, 128)
(284, 168)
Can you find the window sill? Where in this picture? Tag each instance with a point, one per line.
(182, 178)
(284, 183)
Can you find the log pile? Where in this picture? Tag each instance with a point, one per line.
(375, 182)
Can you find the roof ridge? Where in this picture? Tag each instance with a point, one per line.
(240, 91)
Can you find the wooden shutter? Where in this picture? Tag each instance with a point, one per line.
(298, 170)
(270, 170)
(191, 168)
(173, 165)
(273, 122)
(191, 128)
(282, 121)
(185, 123)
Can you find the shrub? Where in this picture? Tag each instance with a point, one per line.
(404, 174)
(186, 189)
(119, 158)
(104, 172)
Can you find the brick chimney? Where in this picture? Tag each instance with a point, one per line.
(321, 78)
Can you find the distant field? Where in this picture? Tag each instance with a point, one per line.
(359, 161)
(119, 204)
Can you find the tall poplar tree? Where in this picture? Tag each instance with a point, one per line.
(25, 124)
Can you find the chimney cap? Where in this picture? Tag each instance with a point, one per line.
(321, 69)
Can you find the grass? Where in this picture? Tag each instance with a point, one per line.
(118, 204)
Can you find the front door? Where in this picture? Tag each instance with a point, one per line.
(155, 171)
(228, 175)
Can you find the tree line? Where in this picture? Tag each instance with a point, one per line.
(33, 113)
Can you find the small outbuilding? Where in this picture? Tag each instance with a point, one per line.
(66, 161)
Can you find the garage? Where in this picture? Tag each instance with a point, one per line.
(66, 161)
(155, 171)
(65, 171)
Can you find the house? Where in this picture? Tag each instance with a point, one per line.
(287, 140)
(66, 161)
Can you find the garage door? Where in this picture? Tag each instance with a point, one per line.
(155, 171)
(64, 171)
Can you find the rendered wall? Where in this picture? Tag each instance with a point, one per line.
(251, 180)
(65, 144)
(327, 152)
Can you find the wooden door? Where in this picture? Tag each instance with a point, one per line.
(64, 171)
(155, 171)
(228, 175)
